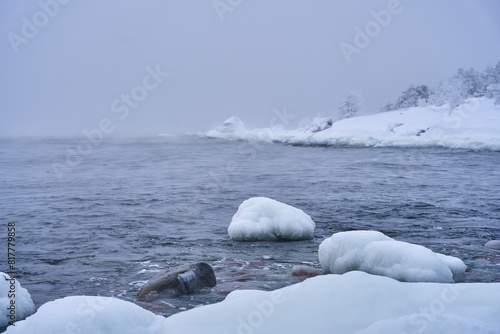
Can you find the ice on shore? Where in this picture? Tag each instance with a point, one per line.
(23, 303)
(375, 253)
(355, 302)
(262, 218)
(472, 125)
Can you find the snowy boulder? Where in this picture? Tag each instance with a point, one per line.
(493, 244)
(319, 124)
(231, 125)
(375, 253)
(23, 304)
(262, 218)
(456, 266)
(85, 314)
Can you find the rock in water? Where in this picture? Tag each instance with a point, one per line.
(302, 272)
(493, 244)
(180, 280)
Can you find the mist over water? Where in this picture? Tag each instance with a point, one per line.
(134, 207)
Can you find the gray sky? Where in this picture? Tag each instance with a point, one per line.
(89, 64)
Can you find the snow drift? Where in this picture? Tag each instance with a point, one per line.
(24, 305)
(262, 218)
(472, 125)
(375, 253)
(354, 302)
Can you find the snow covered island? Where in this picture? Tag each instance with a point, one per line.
(262, 218)
(472, 125)
(375, 253)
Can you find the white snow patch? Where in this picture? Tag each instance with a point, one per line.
(84, 314)
(355, 302)
(262, 218)
(23, 303)
(375, 253)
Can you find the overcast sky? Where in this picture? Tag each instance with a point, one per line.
(65, 68)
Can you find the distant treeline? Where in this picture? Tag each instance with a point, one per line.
(462, 85)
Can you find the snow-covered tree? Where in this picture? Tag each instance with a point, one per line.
(452, 91)
(412, 97)
(493, 92)
(387, 107)
(350, 105)
(492, 75)
(473, 82)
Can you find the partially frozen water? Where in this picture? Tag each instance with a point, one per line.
(132, 208)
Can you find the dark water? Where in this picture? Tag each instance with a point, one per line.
(126, 209)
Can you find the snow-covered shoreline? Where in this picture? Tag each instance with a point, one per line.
(355, 302)
(472, 125)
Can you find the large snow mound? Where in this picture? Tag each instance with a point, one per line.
(23, 303)
(354, 302)
(262, 218)
(86, 315)
(375, 253)
(472, 125)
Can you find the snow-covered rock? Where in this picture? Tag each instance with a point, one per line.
(319, 124)
(85, 315)
(231, 125)
(375, 253)
(354, 302)
(262, 218)
(23, 303)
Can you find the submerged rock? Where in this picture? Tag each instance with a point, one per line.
(493, 244)
(180, 280)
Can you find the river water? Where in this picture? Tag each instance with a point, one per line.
(107, 219)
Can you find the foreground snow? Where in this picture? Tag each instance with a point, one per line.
(355, 302)
(86, 315)
(375, 253)
(23, 304)
(262, 218)
(474, 125)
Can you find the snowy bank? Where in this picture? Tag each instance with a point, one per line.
(375, 253)
(355, 302)
(12, 291)
(472, 125)
(262, 218)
